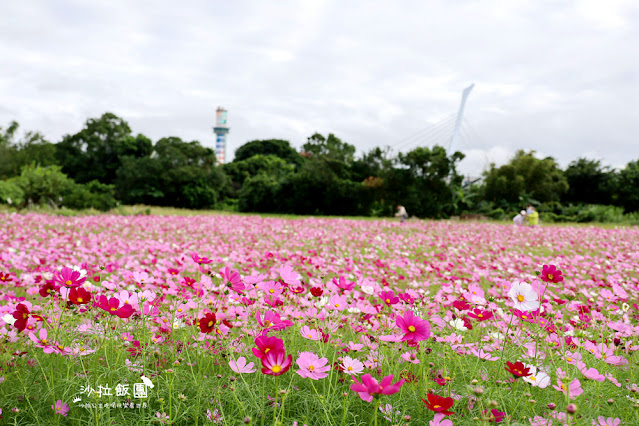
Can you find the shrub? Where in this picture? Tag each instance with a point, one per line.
(10, 193)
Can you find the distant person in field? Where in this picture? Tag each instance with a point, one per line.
(519, 219)
(401, 212)
(532, 216)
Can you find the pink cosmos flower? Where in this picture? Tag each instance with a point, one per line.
(289, 276)
(42, 341)
(241, 367)
(410, 357)
(337, 303)
(523, 296)
(200, 260)
(440, 420)
(414, 328)
(309, 333)
(352, 366)
(311, 366)
(233, 280)
(573, 389)
(69, 278)
(590, 373)
(272, 321)
(602, 421)
(60, 408)
(369, 387)
(344, 285)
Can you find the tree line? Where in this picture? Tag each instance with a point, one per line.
(105, 163)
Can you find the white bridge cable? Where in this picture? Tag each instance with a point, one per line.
(426, 133)
(422, 132)
(440, 136)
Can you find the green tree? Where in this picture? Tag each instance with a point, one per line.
(30, 148)
(589, 182)
(43, 185)
(427, 183)
(331, 148)
(629, 187)
(277, 147)
(524, 178)
(96, 152)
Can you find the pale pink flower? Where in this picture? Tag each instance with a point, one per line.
(309, 333)
(523, 296)
(590, 373)
(311, 366)
(440, 420)
(602, 421)
(241, 367)
(573, 389)
(352, 366)
(410, 357)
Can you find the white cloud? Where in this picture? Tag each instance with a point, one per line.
(558, 77)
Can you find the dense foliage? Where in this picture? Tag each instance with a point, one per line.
(105, 163)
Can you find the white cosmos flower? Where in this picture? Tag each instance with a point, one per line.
(458, 324)
(523, 296)
(537, 378)
(9, 319)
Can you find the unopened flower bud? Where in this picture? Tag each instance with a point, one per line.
(493, 403)
(474, 382)
(407, 418)
(478, 391)
(610, 401)
(552, 406)
(247, 420)
(571, 408)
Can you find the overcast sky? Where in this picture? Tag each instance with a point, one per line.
(558, 77)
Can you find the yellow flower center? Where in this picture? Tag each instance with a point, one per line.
(550, 277)
(350, 368)
(533, 378)
(210, 323)
(114, 309)
(271, 291)
(43, 341)
(276, 369)
(387, 300)
(521, 298)
(480, 315)
(68, 282)
(569, 359)
(411, 328)
(437, 406)
(337, 305)
(267, 349)
(80, 300)
(311, 368)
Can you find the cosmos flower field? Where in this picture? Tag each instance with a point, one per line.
(131, 320)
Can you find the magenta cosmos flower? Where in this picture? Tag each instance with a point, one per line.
(68, 277)
(414, 328)
(369, 387)
(112, 306)
(311, 366)
(551, 274)
(276, 363)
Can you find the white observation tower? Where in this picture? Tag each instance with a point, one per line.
(221, 129)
